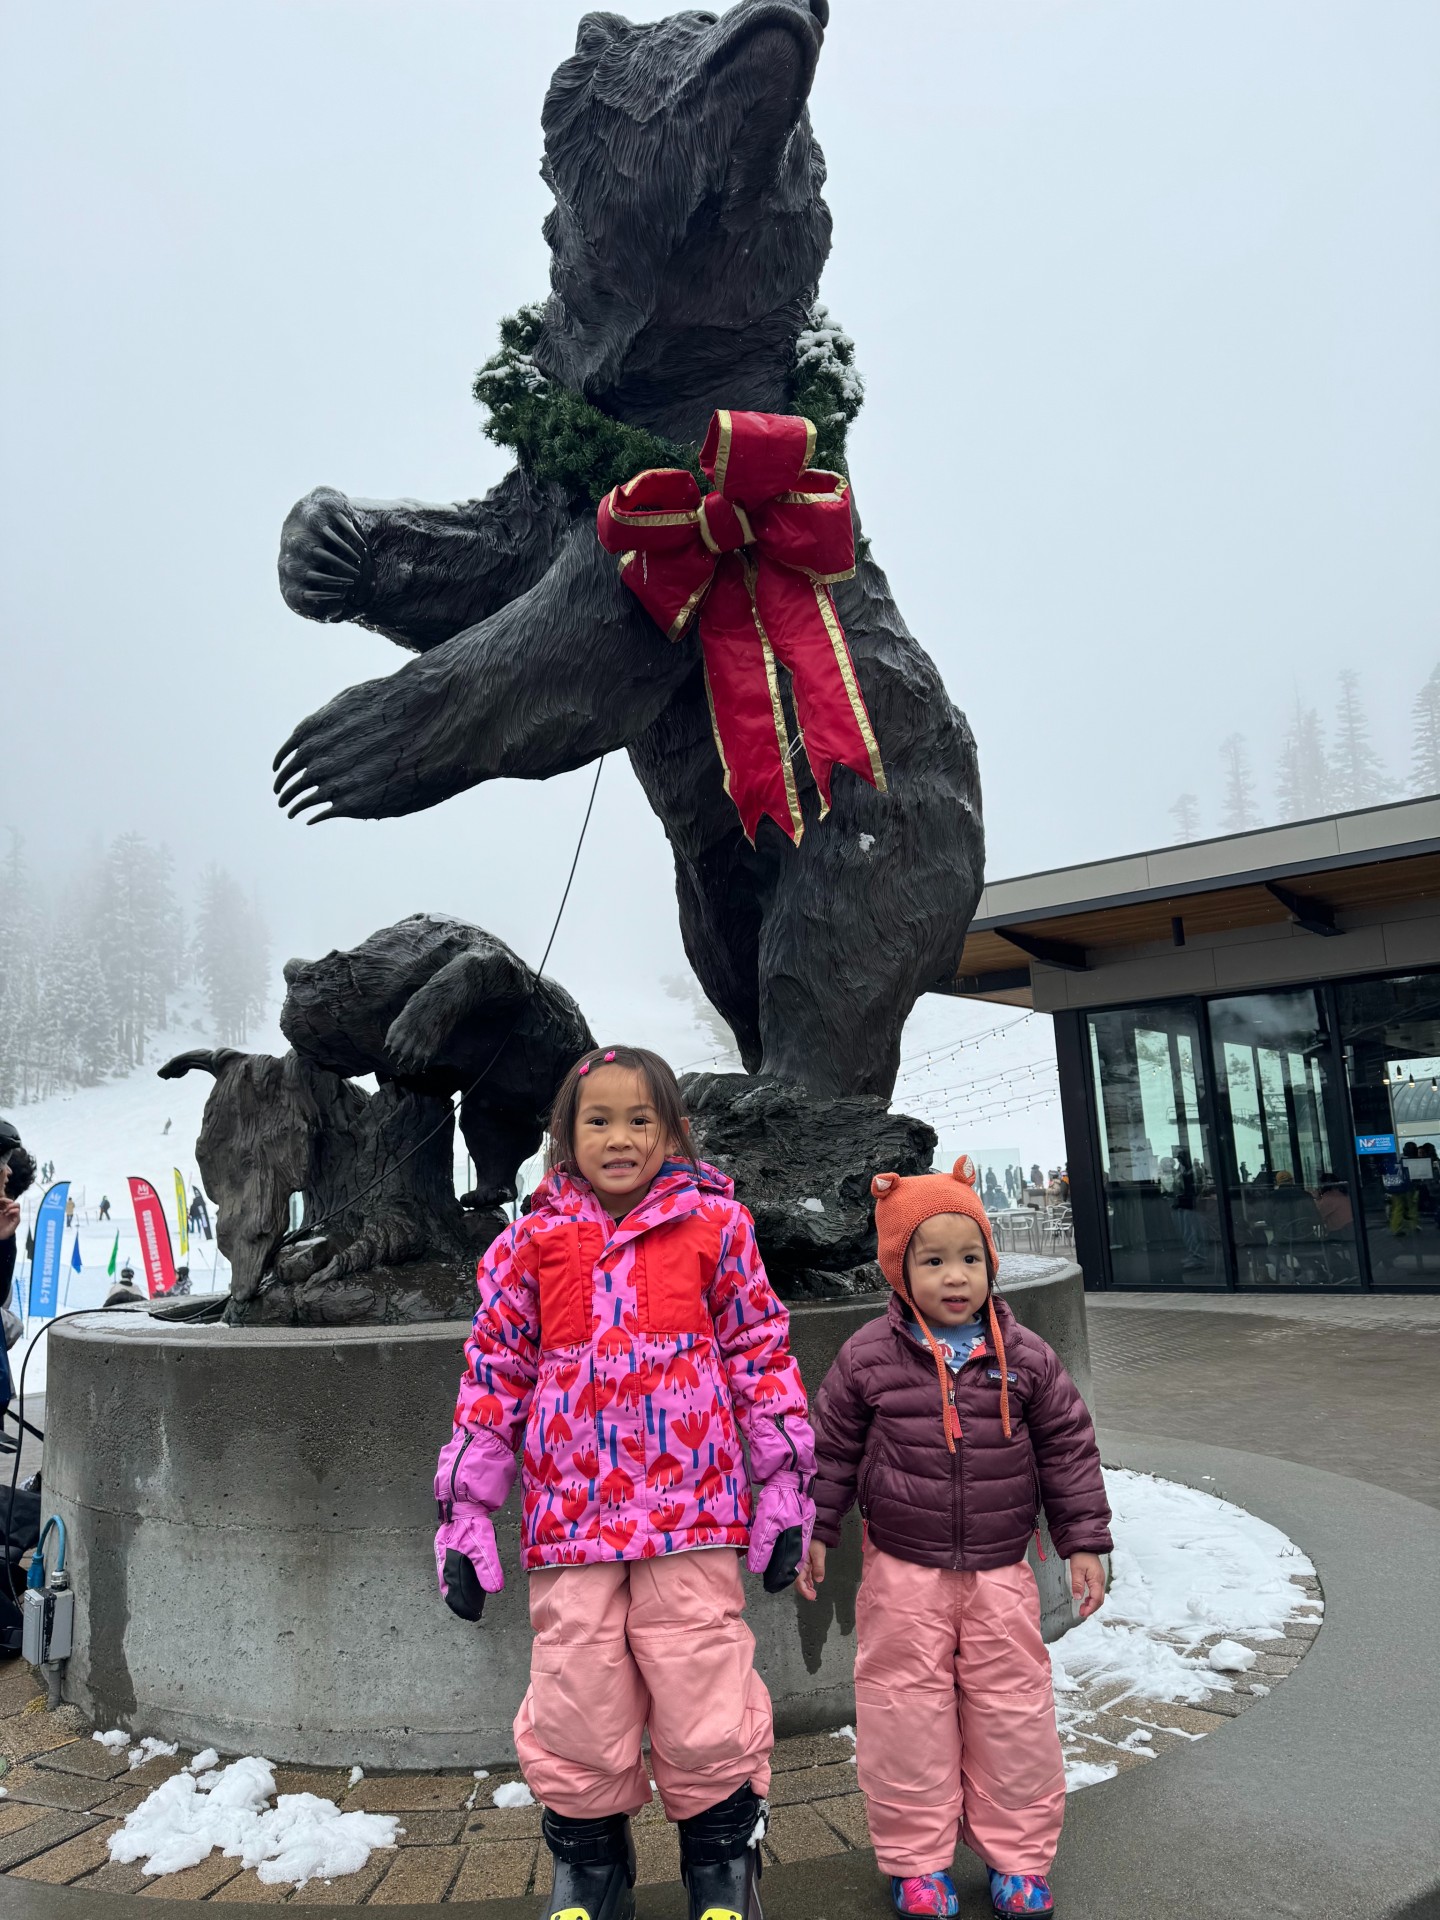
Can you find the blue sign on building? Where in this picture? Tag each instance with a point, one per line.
(1375, 1143)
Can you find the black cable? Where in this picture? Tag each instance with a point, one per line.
(33, 1431)
(310, 1226)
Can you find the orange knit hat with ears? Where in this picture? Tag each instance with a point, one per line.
(901, 1204)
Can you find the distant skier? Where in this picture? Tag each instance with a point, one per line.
(166, 1128)
(104, 1207)
(127, 1293)
(69, 1212)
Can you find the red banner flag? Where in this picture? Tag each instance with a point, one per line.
(154, 1232)
(756, 559)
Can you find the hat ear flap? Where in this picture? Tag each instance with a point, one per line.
(966, 1172)
(882, 1183)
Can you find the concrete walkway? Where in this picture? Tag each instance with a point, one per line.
(1320, 1801)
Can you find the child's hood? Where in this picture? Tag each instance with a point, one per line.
(678, 1187)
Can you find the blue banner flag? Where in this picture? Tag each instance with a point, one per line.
(77, 1265)
(49, 1238)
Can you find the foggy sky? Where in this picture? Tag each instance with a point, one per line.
(1145, 295)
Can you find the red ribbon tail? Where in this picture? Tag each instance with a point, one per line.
(800, 617)
(742, 684)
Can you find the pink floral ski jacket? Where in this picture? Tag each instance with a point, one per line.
(617, 1359)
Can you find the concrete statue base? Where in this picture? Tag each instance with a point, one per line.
(250, 1518)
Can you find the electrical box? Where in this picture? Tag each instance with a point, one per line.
(47, 1624)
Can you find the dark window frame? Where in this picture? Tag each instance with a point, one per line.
(1079, 1106)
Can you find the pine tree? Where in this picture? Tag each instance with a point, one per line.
(20, 946)
(1185, 812)
(1358, 776)
(93, 1021)
(1302, 784)
(231, 956)
(1239, 812)
(139, 939)
(1425, 747)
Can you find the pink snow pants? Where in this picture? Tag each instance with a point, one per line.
(629, 1643)
(955, 1718)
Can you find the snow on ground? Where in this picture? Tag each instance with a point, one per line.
(301, 1838)
(97, 1136)
(1187, 1567)
(514, 1793)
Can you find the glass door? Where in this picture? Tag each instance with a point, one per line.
(1156, 1147)
(1291, 1207)
(1390, 1030)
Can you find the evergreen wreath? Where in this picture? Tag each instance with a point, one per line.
(559, 437)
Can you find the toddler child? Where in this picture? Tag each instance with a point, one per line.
(626, 1330)
(955, 1719)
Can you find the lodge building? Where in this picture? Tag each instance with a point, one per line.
(1248, 1041)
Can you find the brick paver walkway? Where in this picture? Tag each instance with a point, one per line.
(64, 1795)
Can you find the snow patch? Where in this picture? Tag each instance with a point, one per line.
(813, 1206)
(203, 1761)
(113, 1740)
(1085, 1773)
(1187, 1566)
(301, 1838)
(1228, 1656)
(514, 1793)
(357, 1774)
(149, 1748)
(867, 841)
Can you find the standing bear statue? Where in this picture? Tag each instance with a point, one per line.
(687, 239)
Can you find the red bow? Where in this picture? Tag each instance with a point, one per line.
(757, 558)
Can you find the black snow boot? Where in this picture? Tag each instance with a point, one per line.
(720, 1857)
(594, 1868)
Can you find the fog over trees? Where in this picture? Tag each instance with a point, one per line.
(1315, 769)
(91, 963)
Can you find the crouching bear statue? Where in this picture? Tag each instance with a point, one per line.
(687, 239)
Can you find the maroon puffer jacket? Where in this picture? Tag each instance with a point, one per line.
(880, 1438)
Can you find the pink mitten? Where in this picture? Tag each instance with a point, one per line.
(780, 1530)
(467, 1561)
(473, 1477)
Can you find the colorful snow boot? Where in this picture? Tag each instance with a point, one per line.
(594, 1868)
(925, 1893)
(720, 1857)
(1012, 1893)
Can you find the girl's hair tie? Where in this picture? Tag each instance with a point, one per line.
(584, 1066)
(611, 1054)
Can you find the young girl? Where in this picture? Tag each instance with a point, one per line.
(626, 1327)
(950, 1422)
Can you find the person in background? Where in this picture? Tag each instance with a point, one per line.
(104, 1206)
(126, 1291)
(199, 1214)
(69, 1211)
(17, 1174)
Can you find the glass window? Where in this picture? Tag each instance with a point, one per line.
(1291, 1209)
(1391, 1035)
(1162, 1208)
